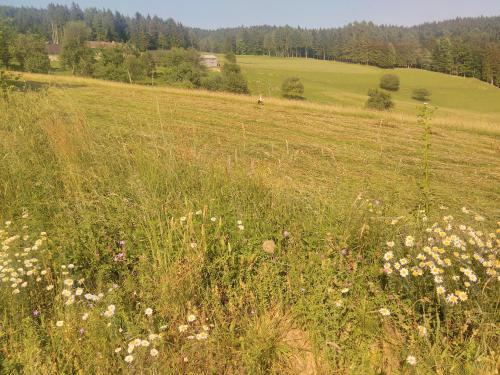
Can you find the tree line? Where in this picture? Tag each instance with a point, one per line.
(468, 47)
(122, 62)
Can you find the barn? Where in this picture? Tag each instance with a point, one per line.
(53, 50)
(210, 61)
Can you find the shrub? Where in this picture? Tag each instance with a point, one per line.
(179, 56)
(379, 100)
(7, 84)
(111, 65)
(30, 53)
(74, 48)
(390, 82)
(231, 68)
(183, 67)
(37, 62)
(421, 94)
(139, 67)
(185, 74)
(235, 82)
(86, 64)
(213, 83)
(230, 57)
(292, 88)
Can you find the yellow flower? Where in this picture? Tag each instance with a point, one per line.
(491, 272)
(417, 271)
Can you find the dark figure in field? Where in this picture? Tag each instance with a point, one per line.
(260, 101)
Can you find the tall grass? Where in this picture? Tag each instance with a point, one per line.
(145, 209)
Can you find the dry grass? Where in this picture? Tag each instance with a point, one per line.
(96, 162)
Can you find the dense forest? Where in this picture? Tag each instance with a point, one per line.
(464, 46)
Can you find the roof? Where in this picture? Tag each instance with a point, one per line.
(52, 49)
(101, 44)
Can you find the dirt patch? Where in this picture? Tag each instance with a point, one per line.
(302, 360)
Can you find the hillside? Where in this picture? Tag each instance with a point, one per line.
(463, 46)
(345, 84)
(175, 231)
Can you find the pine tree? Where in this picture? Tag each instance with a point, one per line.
(6, 37)
(442, 58)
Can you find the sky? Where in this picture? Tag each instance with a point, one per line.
(312, 13)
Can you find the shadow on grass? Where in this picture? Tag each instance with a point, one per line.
(24, 86)
(294, 97)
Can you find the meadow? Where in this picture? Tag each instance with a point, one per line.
(343, 84)
(165, 231)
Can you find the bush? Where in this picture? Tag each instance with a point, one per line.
(235, 82)
(390, 82)
(185, 74)
(379, 100)
(292, 88)
(30, 53)
(213, 83)
(37, 62)
(183, 67)
(75, 49)
(230, 57)
(231, 68)
(86, 64)
(421, 94)
(7, 84)
(179, 56)
(139, 67)
(111, 66)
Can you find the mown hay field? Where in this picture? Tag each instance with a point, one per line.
(158, 230)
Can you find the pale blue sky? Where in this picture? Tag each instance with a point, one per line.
(312, 13)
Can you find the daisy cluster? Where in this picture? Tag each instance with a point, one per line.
(193, 329)
(21, 260)
(454, 258)
(20, 264)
